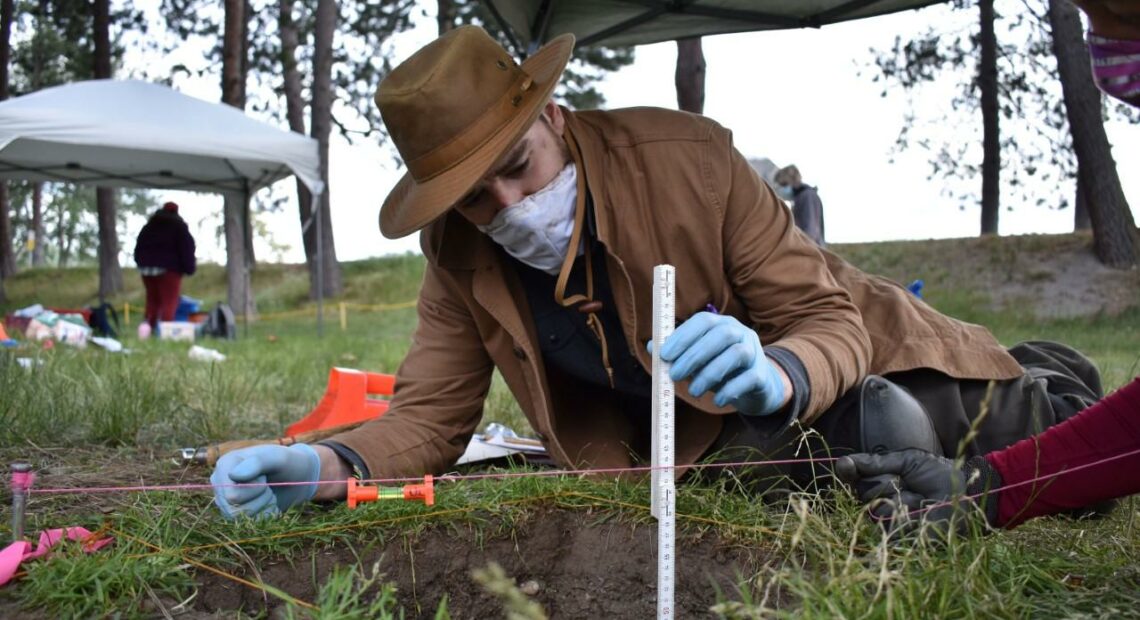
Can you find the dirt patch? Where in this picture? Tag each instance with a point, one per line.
(1063, 279)
(573, 564)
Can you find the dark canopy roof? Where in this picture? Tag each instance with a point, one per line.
(636, 22)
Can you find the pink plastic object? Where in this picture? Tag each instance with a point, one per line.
(17, 552)
(22, 480)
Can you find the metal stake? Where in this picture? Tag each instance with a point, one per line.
(20, 483)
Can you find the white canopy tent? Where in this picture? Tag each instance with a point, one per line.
(138, 134)
(530, 23)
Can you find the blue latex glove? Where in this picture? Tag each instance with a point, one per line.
(265, 464)
(724, 356)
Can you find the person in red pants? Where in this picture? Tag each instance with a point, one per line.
(164, 252)
(1090, 458)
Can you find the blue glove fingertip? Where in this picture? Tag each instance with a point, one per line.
(270, 511)
(246, 470)
(241, 495)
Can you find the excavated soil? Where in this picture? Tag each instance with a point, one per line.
(571, 563)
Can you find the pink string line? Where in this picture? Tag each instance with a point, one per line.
(556, 473)
(443, 478)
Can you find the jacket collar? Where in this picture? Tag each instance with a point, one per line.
(593, 148)
(452, 242)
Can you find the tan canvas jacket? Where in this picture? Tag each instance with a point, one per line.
(667, 187)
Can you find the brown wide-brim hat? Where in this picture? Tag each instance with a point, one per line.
(452, 110)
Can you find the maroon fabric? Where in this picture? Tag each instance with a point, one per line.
(162, 295)
(1109, 428)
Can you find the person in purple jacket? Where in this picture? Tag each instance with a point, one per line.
(164, 252)
(1114, 45)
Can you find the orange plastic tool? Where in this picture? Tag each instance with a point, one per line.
(412, 492)
(347, 401)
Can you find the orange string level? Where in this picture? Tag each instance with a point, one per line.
(358, 494)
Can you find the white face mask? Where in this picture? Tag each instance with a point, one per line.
(537, 229)
(785, 192)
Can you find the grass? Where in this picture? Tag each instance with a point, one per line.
(91, 418)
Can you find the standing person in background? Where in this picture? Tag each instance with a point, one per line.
(164, 251)
(807, 210)
(1114, 45)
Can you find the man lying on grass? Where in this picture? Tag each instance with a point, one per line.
(541, 227)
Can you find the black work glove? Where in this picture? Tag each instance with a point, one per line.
(909, 487)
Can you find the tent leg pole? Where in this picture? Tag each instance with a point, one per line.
(247, 241)
(318, 203)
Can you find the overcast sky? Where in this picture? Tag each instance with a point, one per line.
(791, 96)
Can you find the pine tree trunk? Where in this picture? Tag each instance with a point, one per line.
(321, 124)
(7, 254)
(102, 39)
(110, 273)
(445, 16)
(61, 235)
(690, 75)
(1081, 219)
(66, 234)
(295, 115)
(247, 217)
(991, 143)
(246, 15)
(39, 254)
(38, 224)
(239, 292)
(1114, 229)
(7, 14)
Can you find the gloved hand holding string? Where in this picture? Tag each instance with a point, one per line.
(723, 356)
(908, 487)
(259, 465)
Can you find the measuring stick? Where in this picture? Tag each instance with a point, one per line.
(662, 491)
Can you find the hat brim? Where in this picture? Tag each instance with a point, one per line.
(410, 206)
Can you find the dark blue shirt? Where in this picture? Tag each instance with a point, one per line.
(568, 343)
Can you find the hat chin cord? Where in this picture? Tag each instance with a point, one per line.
(590, 306)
